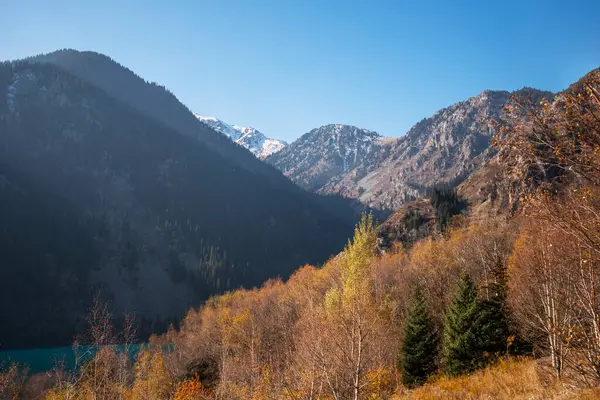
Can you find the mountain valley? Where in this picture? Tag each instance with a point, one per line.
(299, 200)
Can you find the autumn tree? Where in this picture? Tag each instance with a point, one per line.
(554, 149)
(11, 381)
(99, 372)
(349, 326)
(192, 389)
(541, 290)
(347, 310)
(545, 141)
(152, 379)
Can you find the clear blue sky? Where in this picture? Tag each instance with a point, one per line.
(287, 66)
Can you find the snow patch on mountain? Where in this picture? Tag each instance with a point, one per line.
(251, 138)
(11, 94)
(272, 146)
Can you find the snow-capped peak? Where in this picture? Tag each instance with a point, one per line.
(220, 126)
(249, 137)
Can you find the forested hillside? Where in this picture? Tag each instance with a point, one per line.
(497, 307)
(97, 196)
(152, 100)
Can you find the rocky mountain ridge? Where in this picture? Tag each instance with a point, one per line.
(324, 153)
(385, 173)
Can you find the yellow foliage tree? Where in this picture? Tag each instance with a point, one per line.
(152, 379)
(349, 321)
(357, 258)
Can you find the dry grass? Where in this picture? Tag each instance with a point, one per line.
(507, 380)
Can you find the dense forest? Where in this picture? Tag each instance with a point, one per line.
(505, 306)
(98, 197)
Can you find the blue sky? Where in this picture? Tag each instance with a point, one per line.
(287, 66)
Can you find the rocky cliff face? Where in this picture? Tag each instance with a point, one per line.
(494, 188)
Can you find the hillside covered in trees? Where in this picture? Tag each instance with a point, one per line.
(98, 196)
(505, 306)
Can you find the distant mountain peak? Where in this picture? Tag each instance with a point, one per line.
(345, 129)
(250, 138)
(339, 134)
(323, 153)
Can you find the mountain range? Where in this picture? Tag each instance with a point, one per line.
(385, 173)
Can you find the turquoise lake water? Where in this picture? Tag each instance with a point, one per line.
(40, 360)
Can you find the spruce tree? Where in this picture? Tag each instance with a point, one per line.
(492, 328)
(493, 321)
(462, 336)
(420, 346)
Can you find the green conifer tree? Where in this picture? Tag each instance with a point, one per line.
(462, 336)
(493, 321)
(492, 327)
(420, 347)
